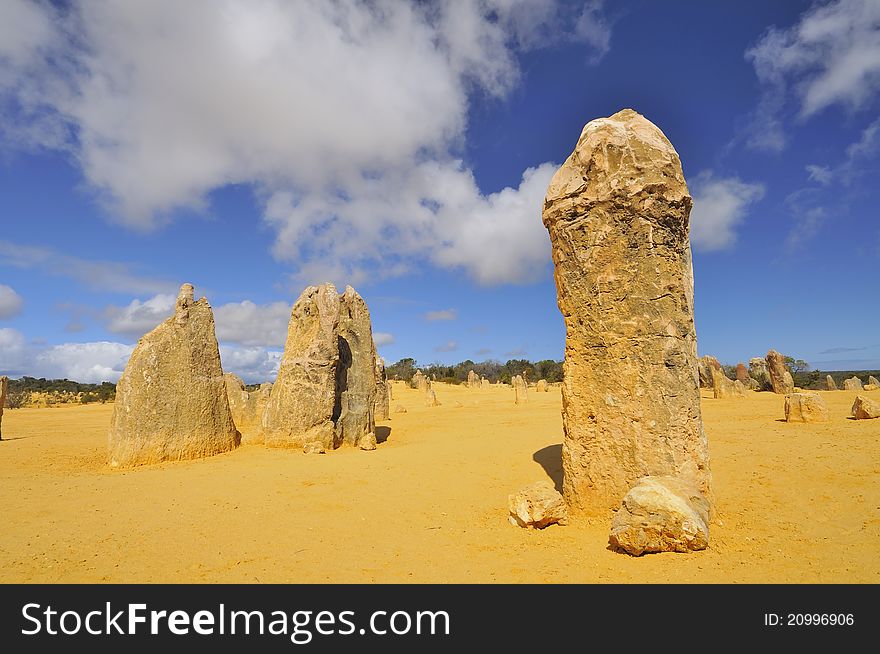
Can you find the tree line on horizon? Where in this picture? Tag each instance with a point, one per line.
(551, 370)
(491, 369)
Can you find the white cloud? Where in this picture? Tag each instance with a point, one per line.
(89, 363)
(247, 323)
(345, 117)
(861, 156)
(13, 352)
(448, 346)
(720, 205)
(10, 302)
(97, 275)
(244, 323)
(442, 314)
(821, 174)
(382, 338)
(137, 318)
(831, 56)
(105, 361)
(253, 364)
(431, 212)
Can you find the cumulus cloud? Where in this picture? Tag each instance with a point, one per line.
(720, 206)
(441, 314)
(89, 363)
(101, 361)
(253, 364)
(382, 338)
(137, 317)
(831, 56)
(13, 352)
(251, 324)
(10, 302)
(112, 276)
(244, 323)
(432, 211)
(448, 346)
(345, 118)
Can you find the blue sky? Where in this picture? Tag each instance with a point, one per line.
(254, 148)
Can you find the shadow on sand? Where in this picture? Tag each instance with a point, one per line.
(550, 458)
(382, 433)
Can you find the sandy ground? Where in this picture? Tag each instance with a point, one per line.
(798, 503)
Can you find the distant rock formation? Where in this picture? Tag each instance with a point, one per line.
(873, 380)
(617, 212)
(830, 385)
(541, 386)
(326, 387)
(723, 387)
(742, 374)
(704, 367)
(758, 371)
(661, 514)
(485, 383)
(537, 506)
(865, 408)
(419, 381)
(805, 407)
(171, 400)
(247, 407)
(473, 380)
(431, 398)
(852, 384)
(382, 406)
(780, 378)
(521, 391)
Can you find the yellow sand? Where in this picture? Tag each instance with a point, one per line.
(798, 503)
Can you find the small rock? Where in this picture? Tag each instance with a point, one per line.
(537, 505)
(313, 447)
(661, 514)
(865, 408)
(805, 407)
(399, 408)
(368, 442)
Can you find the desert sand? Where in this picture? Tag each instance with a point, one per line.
(797, 502)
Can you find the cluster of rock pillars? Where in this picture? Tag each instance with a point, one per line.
(617, 212)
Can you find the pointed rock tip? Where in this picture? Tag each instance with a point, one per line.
(185, 296)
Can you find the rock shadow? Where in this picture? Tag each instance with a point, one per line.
(382, 433)
(550, 458)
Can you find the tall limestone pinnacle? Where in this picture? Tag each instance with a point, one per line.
(171, 400)
(618, 216)
(325, 392)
